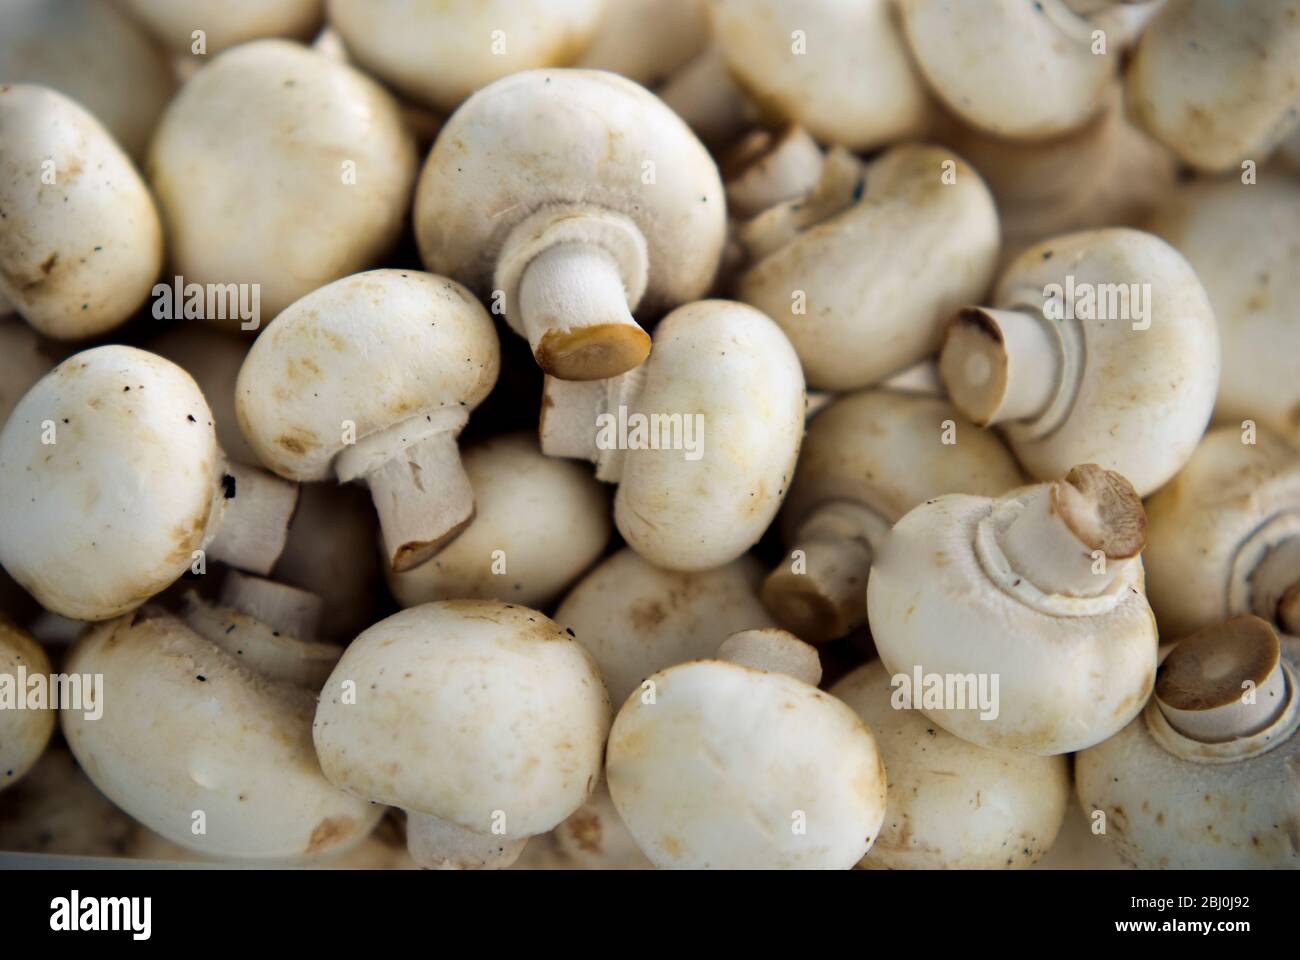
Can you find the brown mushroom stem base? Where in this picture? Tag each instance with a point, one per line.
(1076, 536)
(1000, 365)
(1225, 682)
(439, 845)
(253, 522)
(774, 651)
(278, 605)
(423, 498)
(1275, 586)
(574, 309)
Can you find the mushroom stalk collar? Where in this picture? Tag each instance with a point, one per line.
(1275, 584)
(417, 482)
(825, 597)
(255, 510)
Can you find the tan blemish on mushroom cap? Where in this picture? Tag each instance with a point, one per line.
(1209, 668)
(1103, 510)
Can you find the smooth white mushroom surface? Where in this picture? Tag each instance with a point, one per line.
(572, 198)
(1100, 347)
(220, 24)
(200, 747)
(648, 40)
(373, 377)
(25, 726)
(112, 485)
(724, 766)
(485, 721)
(701, 439)
(538, 524)
(636, 618)
(1024, 616)
(279, 168)
(864, 267)
(950, 804)
(94, 53)
(80, 239)
(1205, 777)
(868, 458)
(439, 54)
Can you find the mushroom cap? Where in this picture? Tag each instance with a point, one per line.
(596, 838)
(187, 727)
(1216, 82)
(884, 450)
(109, 514)
(1164, 811)
(1197, 524)
(881, 277)
(731, 368)
(93, 53)
(545, 520)
(375, 349)
(225, 22)
(648, 40)
(212, 357)
(1144, 396)
(1064, 682)
(546, 138)
(636, 618)
(855, 85)
(439, 54)
(77, 256)
(736, 768)
(251, 164)
(1024, 71)
(22, 363)
(950, 804)
(24, 731)
(463, 710)
(1242, 240)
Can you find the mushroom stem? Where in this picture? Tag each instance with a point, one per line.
(418, 485)
(1075, 536)
(765, 169)
(775, 651)
(819, 591)
(1275, 586)
(254, 523)
(574, 309)
(1000, 365)
(282, 607)
(440, 845)
(571, 419)
(1224, 682)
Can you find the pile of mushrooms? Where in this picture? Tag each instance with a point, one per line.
(635, 434)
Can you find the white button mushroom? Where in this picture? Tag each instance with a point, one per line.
(112, 485)
(595, 837)
(842, 70)
(741, 763)
(25, 726)
(862, 271)
(1219, 82)
(438, 54)
(701, 439)
(279, 167)
(1242, 240)
(373, 377)
(950, 804)
(1206, 776)
(636, 618)
(575, 197)
(199, 746)
(868, 459)
(1102, 347)
(95, 54)
(1225, 535)
(1038, 592)
(484, 721)
(538, 524)
(224, 23)
(648, 40)
(80, 239)
(1024, 71)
